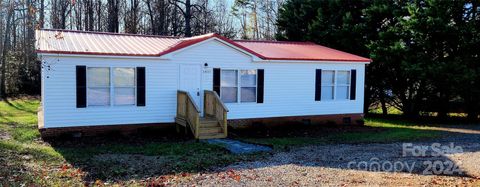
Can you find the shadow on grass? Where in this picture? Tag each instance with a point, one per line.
(153, 152)
(148, 153)
(22, 105)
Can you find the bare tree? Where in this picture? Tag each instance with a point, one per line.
(185, 8)
(131, 17)
(113, 14)
(59, 11)
(6, 47)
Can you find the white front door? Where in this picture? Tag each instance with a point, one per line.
(190, 81)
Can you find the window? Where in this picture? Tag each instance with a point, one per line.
(228, 86)
(238, 85)
(343, 85)
(248, 89)
(98, 86)
(102, 92)
(124, 86)
(328, 85)
(335, 85)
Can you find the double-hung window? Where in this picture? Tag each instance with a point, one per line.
(229, 86)
(238, 86)
(342, 89)
(248, 88)
(328, 85)
(335, 85)
(98, 86)
(124, 86)
(111, 85)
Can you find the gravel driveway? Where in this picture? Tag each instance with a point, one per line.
(347, 164)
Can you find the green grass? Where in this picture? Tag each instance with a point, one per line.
(383, 131)
(19, 119)
(26, 160)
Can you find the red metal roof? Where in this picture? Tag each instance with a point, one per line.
(101, 43)
(281, 50)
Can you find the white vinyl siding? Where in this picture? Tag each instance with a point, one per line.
(289, 87)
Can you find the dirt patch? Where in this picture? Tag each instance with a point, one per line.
(330, 165)
(127, 166)
(5, 135)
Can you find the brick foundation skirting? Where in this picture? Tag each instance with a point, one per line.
(102, 129)
(354, 119)
(236, 123)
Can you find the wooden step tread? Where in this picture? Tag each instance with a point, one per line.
(208, 119)
(211, 135)
(211, 130)
(209, 124)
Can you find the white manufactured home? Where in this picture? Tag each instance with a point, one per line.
(93, 80)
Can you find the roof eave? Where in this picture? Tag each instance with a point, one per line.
(290, 60)
(96, 54)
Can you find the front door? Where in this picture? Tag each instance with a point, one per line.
(190, 81)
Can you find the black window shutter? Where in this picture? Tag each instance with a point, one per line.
(216, 80)
(353, 84)
(140, 86)
(81, 79)
(260, 83)
(318, 84)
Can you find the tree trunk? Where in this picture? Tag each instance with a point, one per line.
(42, 14)
(383, 103)
(152, 17)
(113, 16)
(188, 17)
(99, 15)
(6, 47)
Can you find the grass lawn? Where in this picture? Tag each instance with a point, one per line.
(382, 131)
(26, 159)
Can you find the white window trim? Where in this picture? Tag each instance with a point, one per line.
(112, 87)
(134, 87)
(335, 73)
(236, 86)
(239, 84)
(349, 83)
(109, 86)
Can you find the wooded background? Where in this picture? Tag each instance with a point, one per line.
(425, 52)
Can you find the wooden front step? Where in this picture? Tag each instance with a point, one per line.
(211, 135)
(216, 129)
(210, 128)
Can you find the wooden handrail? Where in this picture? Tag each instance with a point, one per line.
(217, 98)
(191, 99)
(188, 110)
(215, 107)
